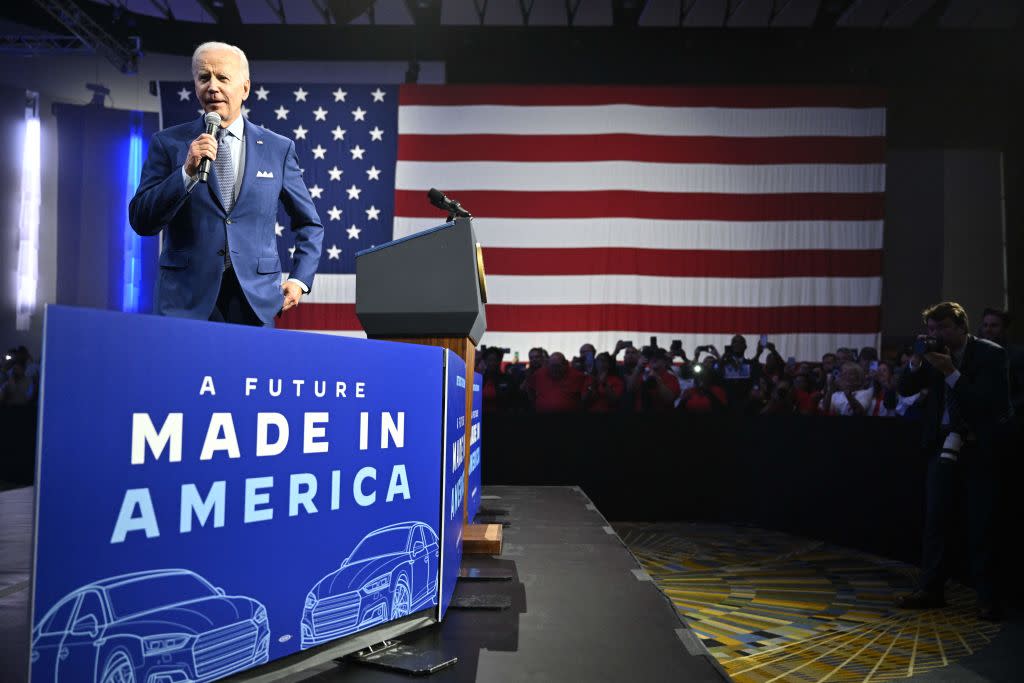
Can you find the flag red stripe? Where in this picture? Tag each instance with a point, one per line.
(320, 317)
(684, 263)
(658, 205)
(557, 95)
(597, 317)
(685, 319)
(652, 148)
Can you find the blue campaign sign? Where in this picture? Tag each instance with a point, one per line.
(454, 477)
(211, 497)
(473, 499)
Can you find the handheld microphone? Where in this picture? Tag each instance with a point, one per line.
(438, 199)
(212, 120)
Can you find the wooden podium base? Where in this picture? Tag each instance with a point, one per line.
(481, 539)
(477, 539)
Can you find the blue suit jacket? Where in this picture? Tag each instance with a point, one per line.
(195, 225)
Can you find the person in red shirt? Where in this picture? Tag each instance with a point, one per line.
(782, 401)
(603, 389)
(706, 396)
(655, 388)
(499, 391)
(538, 359)
(806, 397)
(556, 388)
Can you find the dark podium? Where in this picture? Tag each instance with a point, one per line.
(429, 288)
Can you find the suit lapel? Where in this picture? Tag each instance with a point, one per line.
(253, 158)
(968, 357)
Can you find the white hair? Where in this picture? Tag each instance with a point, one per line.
(205, 47)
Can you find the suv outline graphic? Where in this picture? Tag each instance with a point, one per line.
(376, 588)
(155, 645)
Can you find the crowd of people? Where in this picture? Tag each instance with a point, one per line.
(653, 379)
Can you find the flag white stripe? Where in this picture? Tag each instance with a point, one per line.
(642, 233)
(639, 176)
(332, 288)
(640, 120)
(682, 291)
(648, 290)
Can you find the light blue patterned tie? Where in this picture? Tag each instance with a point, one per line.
(225, 166)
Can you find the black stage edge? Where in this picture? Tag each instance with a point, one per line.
(581, 607)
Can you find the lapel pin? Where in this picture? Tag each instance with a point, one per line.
(259, 142)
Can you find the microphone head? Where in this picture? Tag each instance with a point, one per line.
(436, 197)
(212, 118)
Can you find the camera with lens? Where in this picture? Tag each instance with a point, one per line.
(929, 345)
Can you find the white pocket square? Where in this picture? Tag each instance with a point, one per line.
(264, 174)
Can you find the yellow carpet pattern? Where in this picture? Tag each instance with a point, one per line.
(774, 607)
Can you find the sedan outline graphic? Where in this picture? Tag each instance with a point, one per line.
(391, 572)
(117, 629)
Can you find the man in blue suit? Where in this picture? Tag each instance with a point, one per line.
(219, 259)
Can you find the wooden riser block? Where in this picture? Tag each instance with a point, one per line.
(481, 539)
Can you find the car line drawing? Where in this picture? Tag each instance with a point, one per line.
(158, 626)
(390, 573)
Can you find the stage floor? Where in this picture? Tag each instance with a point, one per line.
(581, 606)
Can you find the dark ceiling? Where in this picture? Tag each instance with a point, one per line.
(559, 40)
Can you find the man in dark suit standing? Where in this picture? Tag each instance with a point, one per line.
(219, 259)
(965, 414)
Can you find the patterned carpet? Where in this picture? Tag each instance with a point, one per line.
(770, 606)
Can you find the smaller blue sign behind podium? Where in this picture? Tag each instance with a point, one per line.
(475, 484)
(211, 497)
(454, 477)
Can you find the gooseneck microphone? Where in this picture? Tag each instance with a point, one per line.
(453, 208)
(212, 120)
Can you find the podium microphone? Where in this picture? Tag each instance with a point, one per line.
(453, 208)
(212, 120)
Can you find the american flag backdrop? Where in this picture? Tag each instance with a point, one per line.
(605, 213)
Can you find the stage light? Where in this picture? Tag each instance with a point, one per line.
(28, 220)
(132, 274)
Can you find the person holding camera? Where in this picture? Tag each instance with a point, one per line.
(706, 396)
(654, 387)
(774, 367)
(738, 372)
(885, 398)
(847, 395)
(630, 359)
(966, 411)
